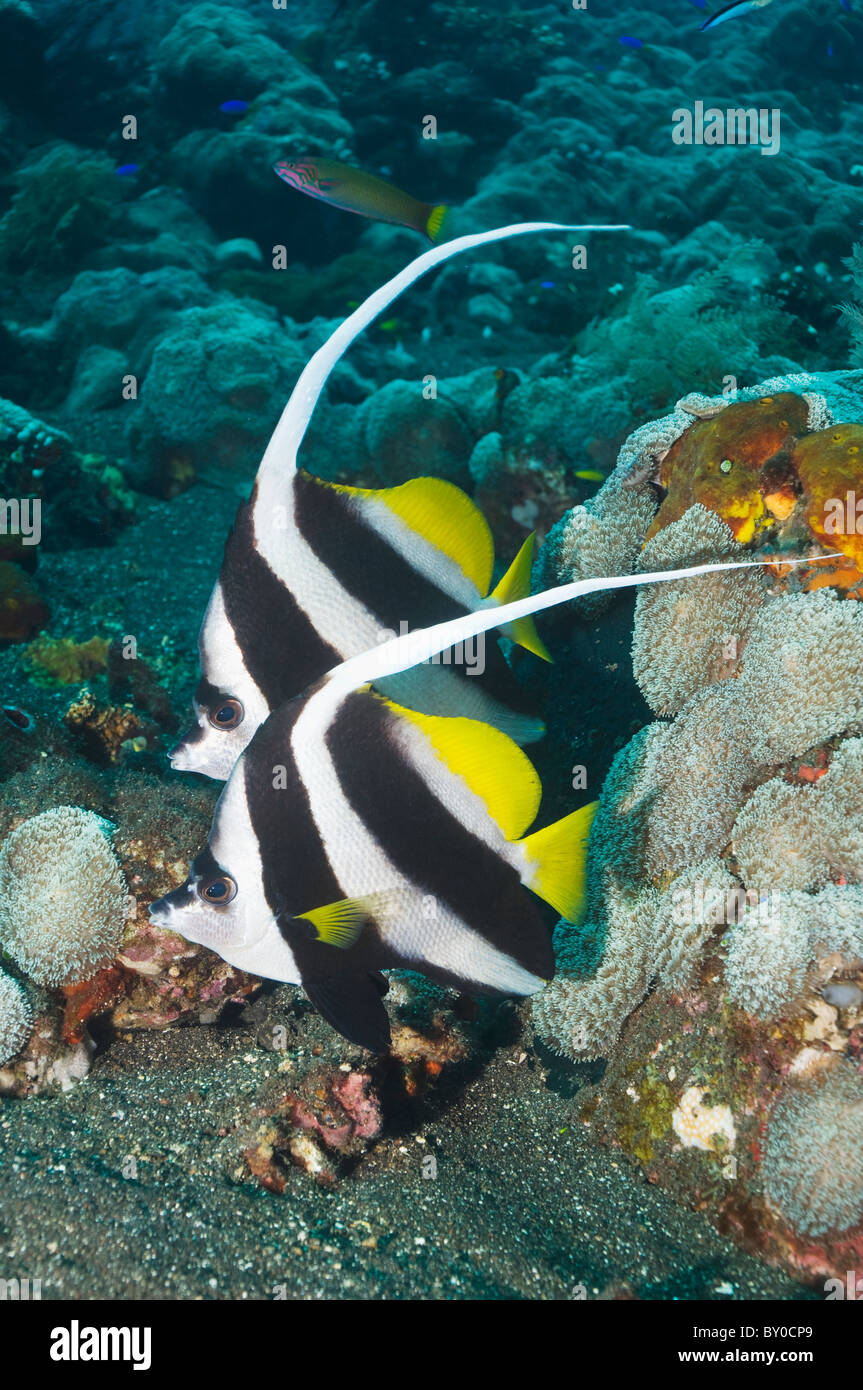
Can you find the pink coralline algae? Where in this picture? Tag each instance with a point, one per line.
(320, 1128)
(355, 1115)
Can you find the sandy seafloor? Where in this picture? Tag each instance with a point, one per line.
(523, 1205)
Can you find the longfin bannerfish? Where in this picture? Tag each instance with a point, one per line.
(732, 11)
(314, 573)
(355, 836)
(354, 190)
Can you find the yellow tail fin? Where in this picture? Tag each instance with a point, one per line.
(514, 585)
(436, 219)
(557, 860)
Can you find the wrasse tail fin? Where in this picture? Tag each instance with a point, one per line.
(435, 224)
(559, 858)
(737, 7)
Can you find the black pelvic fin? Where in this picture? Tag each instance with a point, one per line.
(351, 1002)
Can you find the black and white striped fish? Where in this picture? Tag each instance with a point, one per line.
(354, 836)
(315, 573)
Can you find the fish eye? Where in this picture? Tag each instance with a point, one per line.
(227, 715)
(219, 890)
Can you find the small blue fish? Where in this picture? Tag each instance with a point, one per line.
(232, 107)
(125, 169)
(738, 7)
(631, 43)
(547, 285)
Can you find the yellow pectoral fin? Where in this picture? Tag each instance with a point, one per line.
(514, 585)
(445, 517)
(489, 762)
(340, 923)
(557, 861)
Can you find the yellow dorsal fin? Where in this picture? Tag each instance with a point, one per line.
(444, 516)
(557, 860)
(489, 762)
(340, 923)
(514, 585)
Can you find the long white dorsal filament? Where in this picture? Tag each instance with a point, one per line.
(281, 452)
(401, 653)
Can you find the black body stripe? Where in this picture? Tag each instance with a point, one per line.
(426, 842)
(342, 984)
(363, 562)
(368, 567)
(297, 874)
(282, 650)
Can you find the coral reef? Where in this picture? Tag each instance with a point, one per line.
(48, 1062)
(65, 901)
(720, 960)
(602, 536)
(106, 732)
(803, 836)
(62, 209)
(751, 690)
(853, 312)
(334, 1111)
(769, 954)
(54, 661)
(774, 949)
(672, 656)
(23, 611)
(215, 382)
(16, 1017)
(700, 1126)
(812, 1172)
(663, 340)
(82, 497)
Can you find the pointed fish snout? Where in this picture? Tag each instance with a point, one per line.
(164, 908)
(178, 756)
